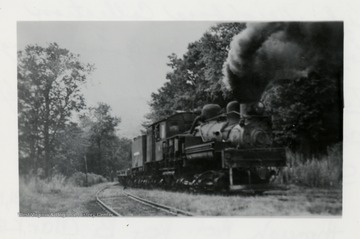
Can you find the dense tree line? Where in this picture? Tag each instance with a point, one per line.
(306, 111)
(195, 78)
(50, 140)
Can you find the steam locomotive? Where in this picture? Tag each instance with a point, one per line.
(211, 151)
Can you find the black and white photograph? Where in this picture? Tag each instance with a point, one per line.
(177, 119)
(184, 118)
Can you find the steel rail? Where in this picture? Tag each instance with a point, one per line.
(104, 206)
(161, 207)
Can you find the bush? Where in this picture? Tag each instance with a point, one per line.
(79, 179)
(322, 171)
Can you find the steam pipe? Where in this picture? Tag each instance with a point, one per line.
(195, 122)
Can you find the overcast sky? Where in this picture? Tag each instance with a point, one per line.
(130, 58)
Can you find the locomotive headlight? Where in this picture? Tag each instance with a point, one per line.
(260, 108)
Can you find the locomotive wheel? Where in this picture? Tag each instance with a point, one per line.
(210, 181)
(168, 182)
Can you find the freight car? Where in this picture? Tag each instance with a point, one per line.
(213, 151)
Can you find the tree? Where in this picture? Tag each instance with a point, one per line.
(306, 112)
(100, 128)
(195, 79)
(71, 146)
(122, 153)
(49, 81)
(95, 137)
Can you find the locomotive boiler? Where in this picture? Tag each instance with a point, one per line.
(218, 150)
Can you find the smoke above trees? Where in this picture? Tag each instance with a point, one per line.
(265, 52)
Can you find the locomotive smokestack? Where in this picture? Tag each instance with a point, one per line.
(264, 52)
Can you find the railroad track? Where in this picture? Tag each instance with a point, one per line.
(167, 209)
(104, 206)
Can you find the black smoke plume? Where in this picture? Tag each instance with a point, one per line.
(264, 52)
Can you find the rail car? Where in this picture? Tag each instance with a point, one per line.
(213, 151)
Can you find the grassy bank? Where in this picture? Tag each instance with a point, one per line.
(317, 171)
(57, 196)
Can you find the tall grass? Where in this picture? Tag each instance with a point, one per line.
(58, 183)
(321, 171)
(37, 195)
(31, 184)
(55, 194)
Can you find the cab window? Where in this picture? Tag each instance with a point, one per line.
(162, 130)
